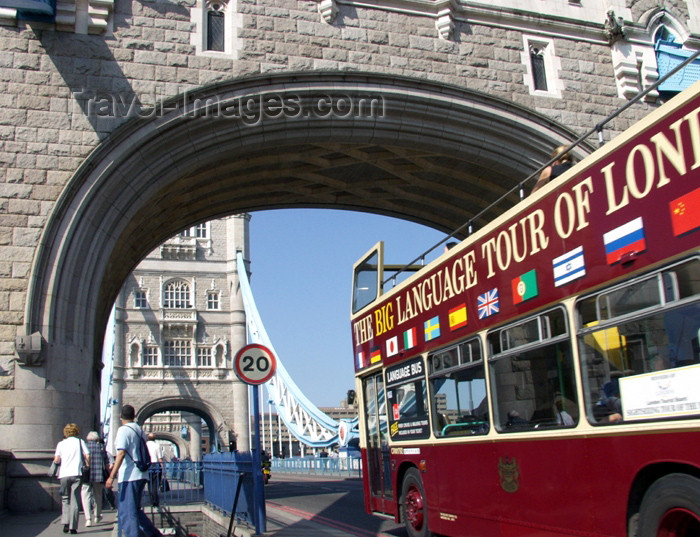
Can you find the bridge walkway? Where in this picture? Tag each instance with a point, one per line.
(281, 522)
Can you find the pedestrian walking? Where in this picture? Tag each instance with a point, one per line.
(72, 454)
(132, 481)
(156, 473)
(92, 490)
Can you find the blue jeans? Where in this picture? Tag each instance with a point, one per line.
(129, 513)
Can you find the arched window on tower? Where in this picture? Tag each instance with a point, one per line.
(216, 27)
(134, 353)
(542, 67)
(176, 295)
(539, 73)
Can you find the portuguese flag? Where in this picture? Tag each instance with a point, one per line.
(525, 287)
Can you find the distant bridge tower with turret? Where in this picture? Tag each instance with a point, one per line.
(179, 320)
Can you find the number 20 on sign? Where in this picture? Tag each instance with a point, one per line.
(255, 364)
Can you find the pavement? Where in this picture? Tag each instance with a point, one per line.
(48, 524)
(281, 522)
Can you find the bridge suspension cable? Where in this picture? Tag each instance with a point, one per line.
(302, 418)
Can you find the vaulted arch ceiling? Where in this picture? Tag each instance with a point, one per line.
(428, 153)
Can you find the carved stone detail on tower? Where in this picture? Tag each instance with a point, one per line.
(328, 10)
(93, 18)
(444, 23)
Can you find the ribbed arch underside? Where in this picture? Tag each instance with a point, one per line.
(212, 417)
(432, 154)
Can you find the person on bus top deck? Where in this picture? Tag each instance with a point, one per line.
(558, 167)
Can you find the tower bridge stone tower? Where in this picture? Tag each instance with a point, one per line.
(124, 123)
(179, 321)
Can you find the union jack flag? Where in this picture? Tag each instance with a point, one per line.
(488, 303)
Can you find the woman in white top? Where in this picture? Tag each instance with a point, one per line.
(71, 454)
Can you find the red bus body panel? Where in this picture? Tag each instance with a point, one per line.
(631, 206)
(565, 486)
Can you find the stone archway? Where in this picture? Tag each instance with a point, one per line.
(437, 155)
(214, 419)
(425, 152)
(177, 441)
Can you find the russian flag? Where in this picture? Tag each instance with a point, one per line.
(624, 239)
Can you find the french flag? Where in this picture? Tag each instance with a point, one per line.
(625, 239)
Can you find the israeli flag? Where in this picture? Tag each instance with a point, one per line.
(569, 267)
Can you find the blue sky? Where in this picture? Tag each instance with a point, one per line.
(301, 264)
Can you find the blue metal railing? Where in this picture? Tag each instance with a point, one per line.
(341, 466)
(179, 483)
(224, 475)
(224, 481)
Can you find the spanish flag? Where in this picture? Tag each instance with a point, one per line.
(457, 317)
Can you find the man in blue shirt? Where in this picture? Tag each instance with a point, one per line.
(131, 480)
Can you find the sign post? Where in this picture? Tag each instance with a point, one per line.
(256, 364)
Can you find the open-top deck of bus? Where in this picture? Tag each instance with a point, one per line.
(542, 377)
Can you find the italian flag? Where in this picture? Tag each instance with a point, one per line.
(410, 338)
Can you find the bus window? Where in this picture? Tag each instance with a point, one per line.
(406, 401)
(623, 348)
(532, 374)
(458, 390)
(367, 277)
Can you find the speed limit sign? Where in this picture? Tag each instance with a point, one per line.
(255, 364)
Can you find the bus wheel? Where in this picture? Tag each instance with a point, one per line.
(414, 511)
(671, 508)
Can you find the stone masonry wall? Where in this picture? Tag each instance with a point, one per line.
(48, 77)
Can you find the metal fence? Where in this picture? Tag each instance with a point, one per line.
(228, 479)
(340, 466)
(224, 481)
(179, 483)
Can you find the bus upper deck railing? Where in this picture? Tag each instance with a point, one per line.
(598, 129)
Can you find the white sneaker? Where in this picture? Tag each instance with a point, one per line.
(87, 524)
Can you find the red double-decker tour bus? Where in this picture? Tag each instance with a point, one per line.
(542, 378)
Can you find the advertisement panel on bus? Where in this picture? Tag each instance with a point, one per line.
(627, 206)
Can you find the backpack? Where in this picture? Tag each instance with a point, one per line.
(143, 460)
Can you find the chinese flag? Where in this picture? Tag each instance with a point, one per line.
(685, 213)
